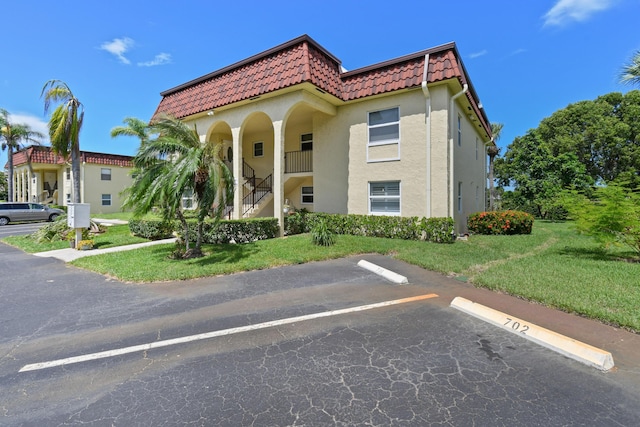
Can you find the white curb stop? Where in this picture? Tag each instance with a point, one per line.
(387, 274)
(569, 347)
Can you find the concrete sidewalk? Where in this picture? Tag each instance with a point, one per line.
(70, 254)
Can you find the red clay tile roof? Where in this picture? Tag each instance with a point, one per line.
(303, 60)
(40, 154)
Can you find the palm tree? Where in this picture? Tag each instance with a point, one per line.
(12, 136)
(134, 127)
(175, 163)
(631, 71)
(64, 126)
(493, 150)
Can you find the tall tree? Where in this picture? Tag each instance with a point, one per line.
(538, 176)
(630, 73)
(134, 127)
(493, 151)
(175, 163)
(13, 136)
(65, 124)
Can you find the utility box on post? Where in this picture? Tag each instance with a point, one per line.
(79, 215)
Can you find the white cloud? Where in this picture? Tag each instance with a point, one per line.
(118, 47)
(35, 123)
(518, 51)
(478, 54)
(160, 59)
(565, 11)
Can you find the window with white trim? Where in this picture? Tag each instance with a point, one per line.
(106, 200)
(105, 174)
(383, 135)
(477, 147)
(307, 195)
(384, 126)
(306, 142)
(459, 196)
(68, 173)
(187, 199)
(384, 198)
(258, 149)
(459, 131)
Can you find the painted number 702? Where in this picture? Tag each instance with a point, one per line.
(516, 326)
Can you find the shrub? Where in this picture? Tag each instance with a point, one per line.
(321, 235)
(85, 244)
(234, 230)
(439, 230)
(500, 222)
(151, 229)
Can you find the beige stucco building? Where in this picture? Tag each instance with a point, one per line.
(41, 176)
(404, 137)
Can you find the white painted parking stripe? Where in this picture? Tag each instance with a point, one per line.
(562, 344)
(213, 334)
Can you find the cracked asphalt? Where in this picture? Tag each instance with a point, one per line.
(413, 364)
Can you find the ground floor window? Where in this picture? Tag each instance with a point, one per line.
(187, 200)
(384, 198)
(106, 200)
(307, 195)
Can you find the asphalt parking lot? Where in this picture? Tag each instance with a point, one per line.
(260, 357)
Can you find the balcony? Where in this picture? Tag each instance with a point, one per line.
(298, 161)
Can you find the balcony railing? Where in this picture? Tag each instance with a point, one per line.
(298, 161)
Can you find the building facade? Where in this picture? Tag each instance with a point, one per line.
(41, 176)
(404, 137)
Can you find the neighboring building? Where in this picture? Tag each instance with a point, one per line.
(403, 137)
(41, 176)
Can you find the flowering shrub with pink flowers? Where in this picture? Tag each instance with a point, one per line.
(500, 222)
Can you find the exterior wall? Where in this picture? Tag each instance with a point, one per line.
(331, 163)
(439, 120)
(409, 169)
(469, 170)
(92, 187)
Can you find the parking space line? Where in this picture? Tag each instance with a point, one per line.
(214, 334)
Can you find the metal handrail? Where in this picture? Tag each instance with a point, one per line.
(298, 161)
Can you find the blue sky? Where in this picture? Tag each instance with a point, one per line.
(526, 59)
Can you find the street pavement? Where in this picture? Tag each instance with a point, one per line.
(413, 363)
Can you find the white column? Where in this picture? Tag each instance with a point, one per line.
(237, 173)
(278, 174)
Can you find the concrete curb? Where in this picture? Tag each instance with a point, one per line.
(569, 347)
(387, 274)
(70, 254)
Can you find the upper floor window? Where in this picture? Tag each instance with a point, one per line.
(384, 126)
(306, 142)
(68, 173)
(459, 131)
(258, 149)
(105, 174)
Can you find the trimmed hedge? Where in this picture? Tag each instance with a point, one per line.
(500, 222)
(234, 230)
(151, 229)
(439, 230)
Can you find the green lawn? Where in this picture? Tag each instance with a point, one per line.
(553, 266)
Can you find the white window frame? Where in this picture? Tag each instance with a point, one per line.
(105, 174)
(255, 146)
(459, 130)
(303, 194)
(304, 142)
(188, 200)
(392, 141)
(106, 201)
(372, 197)
(459, 196)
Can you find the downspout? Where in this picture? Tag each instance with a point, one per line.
(427, 95)
(464, 90)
